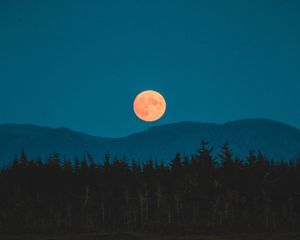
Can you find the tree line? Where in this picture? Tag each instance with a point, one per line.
(189, 194)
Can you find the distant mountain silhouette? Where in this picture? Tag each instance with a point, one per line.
(276, 140)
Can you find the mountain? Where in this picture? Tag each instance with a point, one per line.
(276, 140)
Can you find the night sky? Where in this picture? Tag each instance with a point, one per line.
(79, 64)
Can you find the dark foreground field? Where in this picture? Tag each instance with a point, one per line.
(137, 236)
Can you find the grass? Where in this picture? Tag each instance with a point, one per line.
(140, 236)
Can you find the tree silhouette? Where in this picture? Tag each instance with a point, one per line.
(188, 194)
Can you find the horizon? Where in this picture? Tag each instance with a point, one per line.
(157, 125)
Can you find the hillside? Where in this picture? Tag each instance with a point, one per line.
(275, 139)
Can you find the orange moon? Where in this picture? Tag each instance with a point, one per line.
(149, 106)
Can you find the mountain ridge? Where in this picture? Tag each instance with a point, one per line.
(276, 139)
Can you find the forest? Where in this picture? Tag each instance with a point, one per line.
(197, 194)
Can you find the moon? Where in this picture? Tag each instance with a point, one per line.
(149, 106)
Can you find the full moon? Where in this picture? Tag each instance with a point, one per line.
(149, 106)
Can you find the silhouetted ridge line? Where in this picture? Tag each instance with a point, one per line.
(275, 139)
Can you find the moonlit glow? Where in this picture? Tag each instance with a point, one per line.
(149, 106)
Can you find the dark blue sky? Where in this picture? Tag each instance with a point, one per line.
(79, 64)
